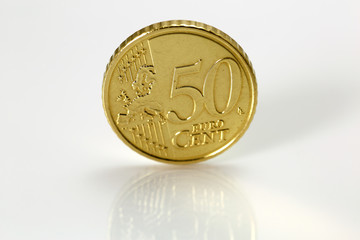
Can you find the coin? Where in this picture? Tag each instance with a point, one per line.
(179, 91)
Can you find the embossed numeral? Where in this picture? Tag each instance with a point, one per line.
(234, 89)
(191, 91)
(206, 96)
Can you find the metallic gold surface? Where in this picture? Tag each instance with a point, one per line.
(179, 91)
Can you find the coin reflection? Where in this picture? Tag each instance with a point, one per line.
(187, 203)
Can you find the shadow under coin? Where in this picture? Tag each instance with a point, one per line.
(181, 203)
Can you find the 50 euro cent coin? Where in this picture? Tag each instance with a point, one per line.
(179, 91)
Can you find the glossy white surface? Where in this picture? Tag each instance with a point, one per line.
(294, 174)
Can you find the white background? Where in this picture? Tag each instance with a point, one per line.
(63, 169)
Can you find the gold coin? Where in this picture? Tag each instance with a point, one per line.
(179, 91)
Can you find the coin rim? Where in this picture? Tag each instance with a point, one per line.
(178, 24)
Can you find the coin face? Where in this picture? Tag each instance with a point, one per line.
(179, 91)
